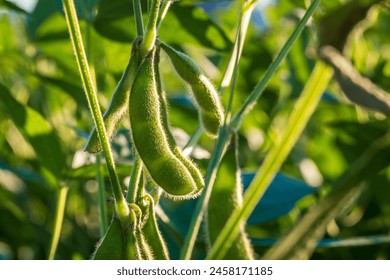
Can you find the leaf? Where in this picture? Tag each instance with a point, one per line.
(37, 131)
(351, 140)
(88, 172)
(12, 6)
(73, 90)
(191, 25)
(26, 175)
(42, 11)
(279, 199)
(84, 8)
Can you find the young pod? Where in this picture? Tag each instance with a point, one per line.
(145, 250)
(119, 101)
(226, 196)
(191, 167)
(152, 233)
(111, 246)
(149, 138)
(132, 251)
(206, 96)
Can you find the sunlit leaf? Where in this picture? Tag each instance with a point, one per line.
(38, 132)
(191, 24)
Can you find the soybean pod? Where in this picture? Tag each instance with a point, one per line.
(132, 250)
(152, 233)
(111, 246)
(144, 248)
(191, 167)
(226, 197)
(207, 99)
(119, 101)
(149, 138)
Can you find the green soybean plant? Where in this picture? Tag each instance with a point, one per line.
(163, 173)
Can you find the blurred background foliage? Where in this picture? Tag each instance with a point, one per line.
(44, 119)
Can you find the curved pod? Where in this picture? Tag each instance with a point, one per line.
(119, 101)
(191, 167)
(206, 96)
(149, 138)
(152, 233)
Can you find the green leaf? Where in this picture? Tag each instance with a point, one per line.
(42, 11)
(73, 90)
(191, 25)
(37, 131)
(88, 172)
(12, 6)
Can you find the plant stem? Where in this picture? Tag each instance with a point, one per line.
(59, 217)
(164, 9)
(303, 110)
(258, 90)
(187, 150)
(201, 205)
(135, 178)
(138, 17)
(151, 29)
(121, 207)
(246, 14)
(102, 201)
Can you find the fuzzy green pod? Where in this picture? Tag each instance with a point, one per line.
(149, 138)
(206, 96)
(151, 231)
(226, 196)
(111, 246)
(191, 167)
(145, 250)
(132, 250)
(119, 101)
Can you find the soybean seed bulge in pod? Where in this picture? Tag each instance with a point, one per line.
(149, 137)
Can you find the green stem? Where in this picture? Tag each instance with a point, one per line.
(138, 17)
(192, 142)
(59, 217)
(134, 183)
(201, 205)
(258, 90)
(164, 9)
(151, 29)
(121, 207)
(246, 14)
(102, 200)
(231, 76)
(303, 110)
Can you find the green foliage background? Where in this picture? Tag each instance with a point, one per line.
(44, 118)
